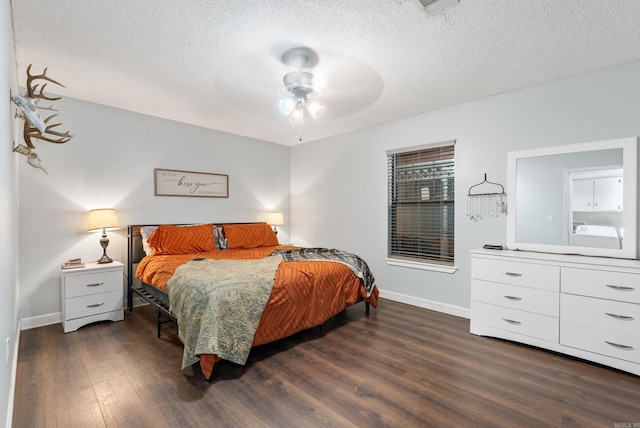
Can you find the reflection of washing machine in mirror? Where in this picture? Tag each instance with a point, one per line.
(591, 235)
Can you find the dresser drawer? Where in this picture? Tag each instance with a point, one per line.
(93, 304)
(543, 302)
(609, 313)
(529, 324)
(604, 284)
(621, 344)
(517, 273)
(93, 282)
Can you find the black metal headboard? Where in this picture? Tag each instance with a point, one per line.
(136, 253)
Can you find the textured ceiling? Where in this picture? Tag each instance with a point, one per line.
(218, 64)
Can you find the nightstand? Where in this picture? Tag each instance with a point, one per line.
(91, 293)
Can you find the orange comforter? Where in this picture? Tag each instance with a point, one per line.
(305, 293)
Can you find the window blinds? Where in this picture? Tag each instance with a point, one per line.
(421, 204)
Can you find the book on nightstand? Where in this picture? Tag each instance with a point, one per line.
(73, 264)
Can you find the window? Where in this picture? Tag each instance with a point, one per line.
(421, 204)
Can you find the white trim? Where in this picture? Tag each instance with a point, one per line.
(14, 369)
(56, 318)
(41, 320)
(426, 304)
(421, 265)
(420, 147)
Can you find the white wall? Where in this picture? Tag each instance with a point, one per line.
(339, 185)
(109, 163)
(8, 219)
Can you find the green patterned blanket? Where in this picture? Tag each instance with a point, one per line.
(218, 305)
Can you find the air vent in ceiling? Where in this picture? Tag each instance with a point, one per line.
(431, 7)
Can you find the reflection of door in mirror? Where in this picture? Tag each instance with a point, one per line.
(595, 197)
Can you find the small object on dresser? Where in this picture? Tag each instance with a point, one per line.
(492, 247)
(73, 264)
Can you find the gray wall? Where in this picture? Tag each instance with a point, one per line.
(339, 185)
(109, 163)
(8, 218)
(333, 192)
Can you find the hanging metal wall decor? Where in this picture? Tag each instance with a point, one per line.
(486, 205)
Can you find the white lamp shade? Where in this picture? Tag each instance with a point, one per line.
(104, 218)
(315, 109)
(275, 219)
(287, 105)
(297, 115)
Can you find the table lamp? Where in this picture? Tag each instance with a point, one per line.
(105, 219)
(275, 219)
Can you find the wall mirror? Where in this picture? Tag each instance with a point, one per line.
(574, 199)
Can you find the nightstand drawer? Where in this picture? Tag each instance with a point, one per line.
(524, 274)
(92, 283)
(93, 304)
(512, 296)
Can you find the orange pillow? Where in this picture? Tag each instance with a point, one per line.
(250, 235)
(169, 239)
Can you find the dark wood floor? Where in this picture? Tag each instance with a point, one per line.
(401, 366)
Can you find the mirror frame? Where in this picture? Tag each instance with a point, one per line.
(629, 146)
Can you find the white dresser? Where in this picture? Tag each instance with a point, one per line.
(587, 307)
(92, 293)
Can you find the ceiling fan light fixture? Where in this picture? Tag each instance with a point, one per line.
(297, 115)
(287, 105)
(315, 109)
(302, 86)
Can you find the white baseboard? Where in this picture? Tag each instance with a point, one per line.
(14, 369)
(426, 304)
(41, 321)
(56, 318)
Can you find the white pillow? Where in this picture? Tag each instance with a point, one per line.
(146, 232)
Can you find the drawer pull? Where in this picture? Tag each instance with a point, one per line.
(620, 287)
(514, 322)
(514, 298)
(511, 273)
(95, 284)
(619, 346)
(620, 317)
(95, 305)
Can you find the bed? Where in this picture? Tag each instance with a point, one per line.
(232, 286)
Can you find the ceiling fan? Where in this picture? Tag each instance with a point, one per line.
(302, 85)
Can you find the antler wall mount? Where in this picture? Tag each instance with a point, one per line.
(35, 127)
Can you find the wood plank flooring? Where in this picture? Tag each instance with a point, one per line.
(401, 366)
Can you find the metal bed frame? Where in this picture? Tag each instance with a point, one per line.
(136, 287)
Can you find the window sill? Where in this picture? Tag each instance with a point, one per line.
(421, 265)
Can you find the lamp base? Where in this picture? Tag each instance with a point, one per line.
(104, 242)
(104, 259)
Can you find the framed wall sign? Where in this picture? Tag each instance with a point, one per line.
(170, 182)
